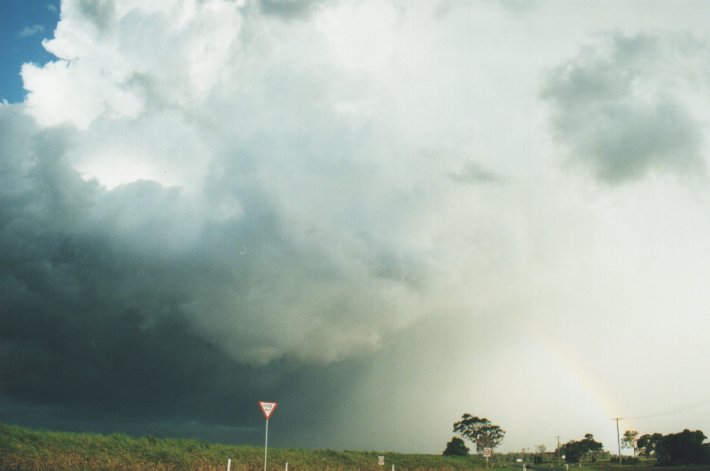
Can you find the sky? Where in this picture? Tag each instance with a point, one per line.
(23, 26)
(381, 214)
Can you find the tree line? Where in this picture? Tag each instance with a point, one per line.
(684, 448)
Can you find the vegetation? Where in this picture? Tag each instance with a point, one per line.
(683, 448)
(663, 451)
(575, 450)
(646, 444)
(480, 431)
(630, 440)
(456, 447)
(23, 449)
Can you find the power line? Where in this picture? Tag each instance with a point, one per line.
(651, 416)
(670, 412)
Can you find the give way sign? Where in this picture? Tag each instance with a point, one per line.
(268, 408)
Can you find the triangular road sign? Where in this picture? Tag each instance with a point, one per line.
(268, 408)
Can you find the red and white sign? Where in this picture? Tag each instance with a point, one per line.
(268, 408)
(487, 452)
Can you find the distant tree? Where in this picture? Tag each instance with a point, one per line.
(629, 440)
(575, 450)
(681, 448)
(539, 454)
(456, 447)
(480, 431)
(646, 444)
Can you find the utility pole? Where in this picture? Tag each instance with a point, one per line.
(618, 439)
(559, 451)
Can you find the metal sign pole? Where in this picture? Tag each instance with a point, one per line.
(266, 443)
(267, 408)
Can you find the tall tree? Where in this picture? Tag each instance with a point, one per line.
(456, 447)
(575, 450)
(647, 444)
(480, 431)
(681, 448)
(629, 440)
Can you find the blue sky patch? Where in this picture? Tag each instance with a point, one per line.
(23, 26)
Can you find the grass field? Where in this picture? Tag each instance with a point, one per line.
(23, 449)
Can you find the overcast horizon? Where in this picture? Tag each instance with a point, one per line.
(381, 214)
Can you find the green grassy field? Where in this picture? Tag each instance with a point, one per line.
(23, 449)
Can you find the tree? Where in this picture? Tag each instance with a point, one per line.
(456, 447)
(539, 454)
(575, 450)
(685, 447)
(629, 440)
(646, 444)
(480, 431)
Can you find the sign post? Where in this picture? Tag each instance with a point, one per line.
(267, 408)
(487, 452)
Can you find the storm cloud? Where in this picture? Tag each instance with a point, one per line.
(167, 234)
(621, 107)
(361, 209)
(114, 296)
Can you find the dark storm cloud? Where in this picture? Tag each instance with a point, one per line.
(80, 327)
(186, 248)
(620, 108)
(94, 332)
